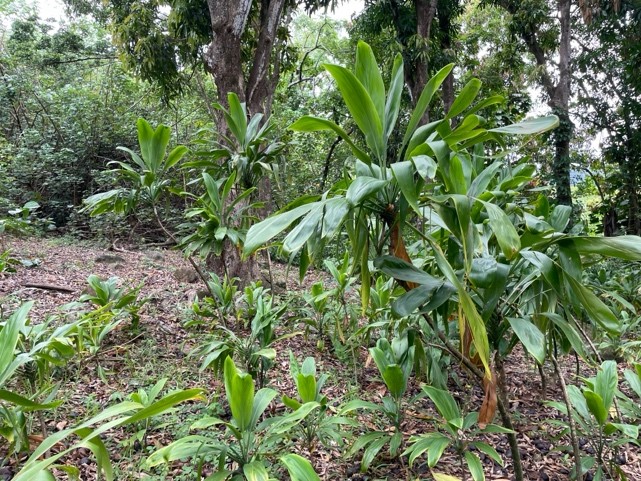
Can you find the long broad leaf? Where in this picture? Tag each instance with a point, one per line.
(504, 231)
(393, 104)
(362, 108)
(595, 308)
(465, 98)
(299, 468)
(308, 123)
(261, 233)
(626, 247)
(530, 126)
(531, 337)
(10, 334)
(424, 100)
(366, 70)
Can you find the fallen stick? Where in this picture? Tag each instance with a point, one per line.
(48, 287)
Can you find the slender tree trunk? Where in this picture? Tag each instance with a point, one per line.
(560, 103)
(558, 93)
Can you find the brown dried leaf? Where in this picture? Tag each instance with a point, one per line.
(490, 401)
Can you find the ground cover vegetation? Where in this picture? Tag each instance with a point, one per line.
(240, 242)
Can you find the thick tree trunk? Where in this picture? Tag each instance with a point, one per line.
(223, 59)
(262, 82)
(223, 55)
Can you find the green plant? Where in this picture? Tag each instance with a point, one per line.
(456, 431)
(88, 435)
(318, 313)
(342, 276)
(632, 407)
(221, 215)
(244, 451)
(222, 305)
(254, 351)
(118, 300)
(23, 220)
(319, 425)
(7, 262)
(145, 398)
(395, 362)
(592, 406)
(14, 406)
(148, 176)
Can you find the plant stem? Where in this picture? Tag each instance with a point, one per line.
(503, 410)
(189, 257)
(573, 438)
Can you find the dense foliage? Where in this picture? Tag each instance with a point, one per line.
(441, 209)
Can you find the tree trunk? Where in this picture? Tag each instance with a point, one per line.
(558, 93)
(224, 60)
(445, 26)
(223, 55)
(561, 103)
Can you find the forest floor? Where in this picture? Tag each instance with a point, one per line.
(128, 361)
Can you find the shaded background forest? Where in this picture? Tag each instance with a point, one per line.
(71, 91)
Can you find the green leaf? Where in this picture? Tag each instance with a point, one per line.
(424, 100)
(239, 388)
(444, 477)
(237, 117)
(465, 98)
(164, 403)
(634, 381)
(175, 156)
(306, 385)
(605, 383)
(629, 430)
(476, 468)
(308, 123)
(362, 187)
(372, 450)
(421, 295)
(504, 231)
(474, 319)
(255, 471)
(444, 402)
(153, 144)
(299, 468)
(9, 336)
(489, 451)
(433, 443)
(530, 126)
(263, 398)
(596, 406)
(626, 247)
(560, 217)
(261, 233)
(531, 337)
(366, 70)
(425, 166)
(183, 448)
(362, 108)
(24, 403)
(393, 104)
(596, 309)
(394, 380)
(404, 175)
(304, 230)
(404, 271)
